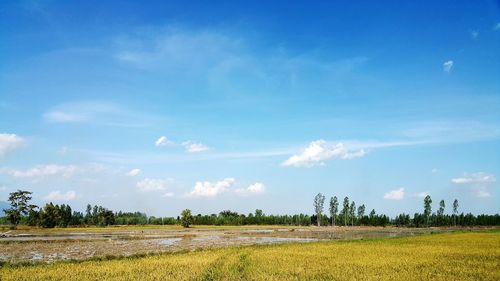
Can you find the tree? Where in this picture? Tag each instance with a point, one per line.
(361, 211)
(427, 208)
(186, 218)
(334, 208)
(345, 210)
(319, 201)
(440, 212)
(455, 211)
(49, 216)
(19, 206)
(352, 212)
(88, 214)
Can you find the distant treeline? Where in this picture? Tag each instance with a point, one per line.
(50, 215)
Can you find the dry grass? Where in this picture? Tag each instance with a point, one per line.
(451, 256)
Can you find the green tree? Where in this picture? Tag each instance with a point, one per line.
(455, 211)
(361, 211)
(19, 206)
(352, 212)
(427, 208)
(186, 218)
(440, 212)
(334, 208)
(319, 202)
(50, 216)
(345, 210)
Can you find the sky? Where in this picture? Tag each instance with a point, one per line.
(159, 106)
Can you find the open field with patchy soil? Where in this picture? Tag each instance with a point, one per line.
(444, 256)
(47, 245)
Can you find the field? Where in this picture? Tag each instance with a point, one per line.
(445, 256)
(49, 245)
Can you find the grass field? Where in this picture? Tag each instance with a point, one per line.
(450, 256)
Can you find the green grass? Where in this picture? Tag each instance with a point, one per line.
(450, 256)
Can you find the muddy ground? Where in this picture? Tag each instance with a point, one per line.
(78, 244)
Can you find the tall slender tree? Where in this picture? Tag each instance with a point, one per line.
(319, 202)
(334, 208)
(455, 211)
(352, 212)
(427, 208)
(440, 212)
(361, 212)
(345, 210)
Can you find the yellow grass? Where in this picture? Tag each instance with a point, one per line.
(452, 256)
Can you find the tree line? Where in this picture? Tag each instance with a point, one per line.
(350, 215)
(53, 215)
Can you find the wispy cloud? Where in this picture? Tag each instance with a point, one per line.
(175, 48)
(58, 196)
(447, 66)
(253, 189)
(320, 151)
(479, 183)
(474, 34)
(162, 141)
(397, 194)
(9, 143)
(421, 194)
(497, 27)
(168, 195)
(148, 185)
(43, 171)
(98, 113)
(55, 172)
(193, 147)
(208, 189)
(133, 172)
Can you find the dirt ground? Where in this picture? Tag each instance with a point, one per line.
(83, 243)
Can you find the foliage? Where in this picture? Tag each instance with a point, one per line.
(319, 201)
(334, 208)
(19, 207)
(186, 218)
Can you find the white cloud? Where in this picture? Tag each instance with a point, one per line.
(421, 194)
(209, 189)
(162, 141)
(98, 113)
(43, 171)
(447, 66)
(147, 184)
(256, 188)
(133, 172)
(193, 147)
(9, 142)
(58, 196)
(397, 194)
(478, 183)
(497, 26)
(475, 178)
(435, 171)
(168, 195)
(319, 151)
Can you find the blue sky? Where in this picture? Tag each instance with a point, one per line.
(162, 106)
